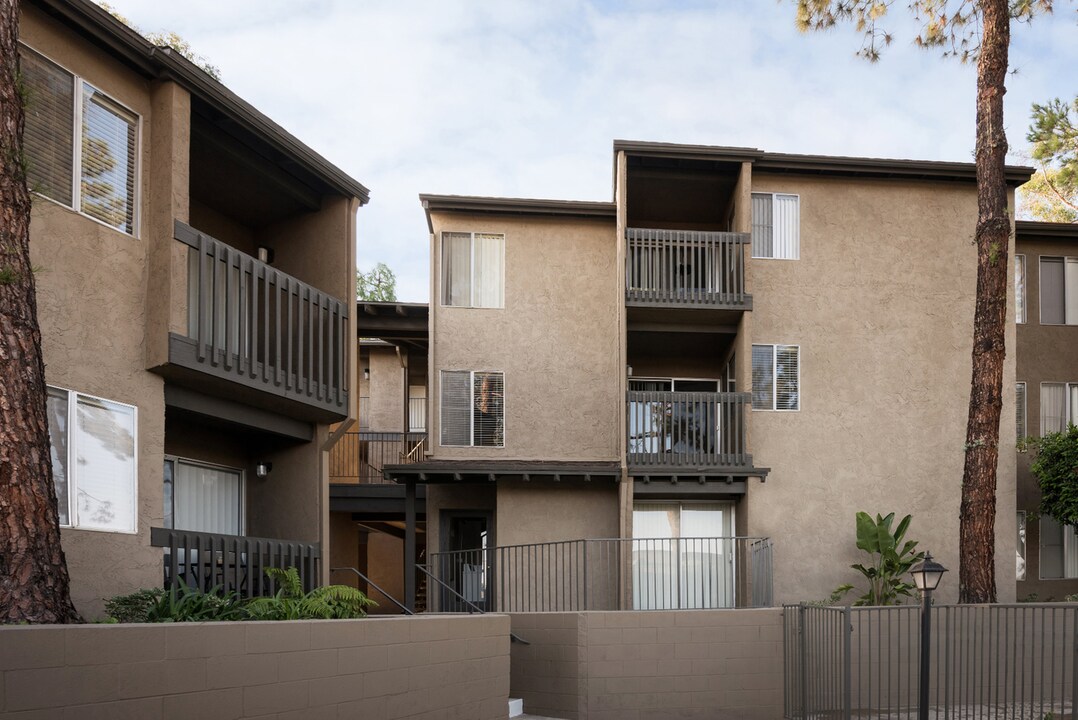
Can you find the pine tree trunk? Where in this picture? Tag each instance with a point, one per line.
(977, 574)
(33, 572)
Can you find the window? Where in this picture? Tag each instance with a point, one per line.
(1059, 290)
(1059, 550)
(1020, 410)
(1020, 547)
(473, 270)
(776, 377)
(473, 410)
(1059, 407)
(776, 226)
(1020, 288)
(94, 461)
(203, 498)
(91, 169)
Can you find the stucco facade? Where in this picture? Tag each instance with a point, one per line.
(878, 301)
(111, 303)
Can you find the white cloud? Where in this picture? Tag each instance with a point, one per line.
(524, 99)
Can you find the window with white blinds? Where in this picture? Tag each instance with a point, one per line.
(473, 408)
(1058, 550)
(1020, 410)
(1059, 290)
(94, 461)
(473, 269)
(776, 377)
(81, 146)
(203, 498)
(776, 226)
(1059, 407)
(1020, 288)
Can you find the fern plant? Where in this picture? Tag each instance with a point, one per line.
(191, 604)
(331, 602)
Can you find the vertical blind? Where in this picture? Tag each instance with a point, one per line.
(1020, 288)
(1059, 290)
(207, 498)
(473, 269)
(776, 226)
(1020, 409)
(50, 122)
(456, 268)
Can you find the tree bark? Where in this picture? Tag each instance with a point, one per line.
(33, 573)
(977, 575)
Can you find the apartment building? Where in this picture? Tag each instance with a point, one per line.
(682, 397)
(1046, 309)
(195, 299)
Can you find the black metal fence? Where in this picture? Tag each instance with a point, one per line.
(685, 267)
(987, 661)
(607, 574)
(232, 563)
(687, 429)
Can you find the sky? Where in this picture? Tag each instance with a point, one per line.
(518, 98)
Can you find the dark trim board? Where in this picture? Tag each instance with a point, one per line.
(699, 491)
(481, 471)
(220, 408)
(386, 502)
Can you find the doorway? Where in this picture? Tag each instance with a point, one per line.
(464, 563)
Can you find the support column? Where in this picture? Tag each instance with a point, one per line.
(409, 546)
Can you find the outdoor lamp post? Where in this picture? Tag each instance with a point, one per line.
(926, 576)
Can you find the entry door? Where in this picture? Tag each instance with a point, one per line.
(683, 555)
(465, 560)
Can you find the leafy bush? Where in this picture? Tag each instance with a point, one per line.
(188, 604)
(133, 608)
(330, 602)
(891, 560)
(1055, 465)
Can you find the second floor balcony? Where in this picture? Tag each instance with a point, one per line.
(684, 432)
(686, 269)
(258, 335)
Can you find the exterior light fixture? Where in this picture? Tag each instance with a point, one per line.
(263, 469)
(926, 576)
(265, 254)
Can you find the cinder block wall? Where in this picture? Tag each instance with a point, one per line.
(709, 664)
(386, 668)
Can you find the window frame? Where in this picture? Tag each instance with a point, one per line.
(72, 461)
(78, 93)
(1021, 311)
(1067, 410)
(242, 501)
(471, 270)
(471, 404)
(774, 375)
(1064, 546)
(797, 255)
(1040, 289)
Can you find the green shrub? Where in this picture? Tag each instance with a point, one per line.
(188, 604)
(132, 608)
(891, 559)
(331, 602)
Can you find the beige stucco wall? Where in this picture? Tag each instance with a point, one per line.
(92, 310)
(1046, 353)
(881, 303)
(386, 390)
(535, 512)
(556, 340)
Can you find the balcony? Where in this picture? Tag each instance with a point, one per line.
(686, 269)
(258, 335)
(670, 432)
(359, 457)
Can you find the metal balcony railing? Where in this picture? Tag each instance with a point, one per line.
(686, 268)
(251, 323)
(687, 429)
(232, 563)
(607, 574)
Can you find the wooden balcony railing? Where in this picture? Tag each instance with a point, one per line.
(232, 563)
(358, 457)
(687, 430)
(684, 268)
(253, 324)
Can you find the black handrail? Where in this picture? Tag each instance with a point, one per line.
(374, 585)
(476, 609)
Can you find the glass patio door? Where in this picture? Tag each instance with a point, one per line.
(683, 556)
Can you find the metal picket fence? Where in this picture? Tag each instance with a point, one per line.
(1013, 662)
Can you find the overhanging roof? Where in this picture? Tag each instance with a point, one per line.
(479, 471)
(393, 322)
(516, 206)
(833, 165)
(1028, 230)
(152, 61)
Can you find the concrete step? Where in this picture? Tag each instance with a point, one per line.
(516, 707)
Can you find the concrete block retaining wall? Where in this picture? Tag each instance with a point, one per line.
(419, 668)
(705, 664)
